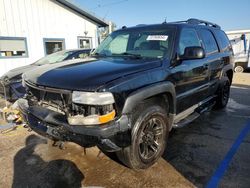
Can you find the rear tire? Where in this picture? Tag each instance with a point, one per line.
(149, 135)
(223, 94)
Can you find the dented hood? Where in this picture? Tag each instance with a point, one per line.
(88, 74)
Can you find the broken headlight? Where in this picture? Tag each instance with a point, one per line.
(92, 98)
(92, 108)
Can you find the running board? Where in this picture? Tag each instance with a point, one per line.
(193, 113)
(187, 120)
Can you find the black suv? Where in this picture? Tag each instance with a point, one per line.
(139, 84)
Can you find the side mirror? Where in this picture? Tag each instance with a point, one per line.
(193, 52)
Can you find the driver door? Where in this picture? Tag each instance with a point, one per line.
(190, 76)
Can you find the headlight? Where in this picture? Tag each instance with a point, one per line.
(92, 98)
(92, 108)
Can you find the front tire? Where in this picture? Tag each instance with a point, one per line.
(149, 135)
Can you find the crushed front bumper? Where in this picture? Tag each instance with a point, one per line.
(109, 137)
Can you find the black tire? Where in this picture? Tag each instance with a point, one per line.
(149, 135)
(223, 94)
(239, 69)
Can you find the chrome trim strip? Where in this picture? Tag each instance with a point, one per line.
(48, 89)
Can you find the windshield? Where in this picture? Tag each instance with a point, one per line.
(151, 43)
(53, 58)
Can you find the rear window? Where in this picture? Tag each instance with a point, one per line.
(222, 40)
(208, 41)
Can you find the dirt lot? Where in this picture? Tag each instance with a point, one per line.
(242, 79)
(27, 159)
(192, 156)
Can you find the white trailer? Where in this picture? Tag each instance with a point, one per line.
(240, 40)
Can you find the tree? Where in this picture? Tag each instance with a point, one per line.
(105, 31)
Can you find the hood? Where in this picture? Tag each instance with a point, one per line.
(15, 74)
(87, 75)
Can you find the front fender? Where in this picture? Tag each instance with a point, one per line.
(228, 67)
(149, 91)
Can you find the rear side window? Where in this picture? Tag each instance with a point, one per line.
(222, 40)
(208, 41)
(188, 38)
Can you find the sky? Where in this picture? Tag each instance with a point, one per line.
(229, 14)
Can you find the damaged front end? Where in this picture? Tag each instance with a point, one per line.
(86, 118)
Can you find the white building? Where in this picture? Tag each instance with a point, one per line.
(31, 29)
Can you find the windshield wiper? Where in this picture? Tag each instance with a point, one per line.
(98, 55)
(137, 56)
(127, 54)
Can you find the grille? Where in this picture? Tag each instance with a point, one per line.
(50, 96)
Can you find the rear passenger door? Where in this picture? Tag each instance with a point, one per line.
(213, 58)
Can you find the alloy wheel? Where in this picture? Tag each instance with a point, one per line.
(151, 139)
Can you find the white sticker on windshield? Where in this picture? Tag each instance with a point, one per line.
(157, 37)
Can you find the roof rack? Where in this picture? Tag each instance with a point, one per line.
(139, 25)
(199, 22)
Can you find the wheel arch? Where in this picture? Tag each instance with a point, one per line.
(163, 90)
(240, 63)
(229, 74)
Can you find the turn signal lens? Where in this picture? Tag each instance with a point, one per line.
(107, 117)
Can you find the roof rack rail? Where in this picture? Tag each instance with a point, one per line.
(139, 25)
(199, 22)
